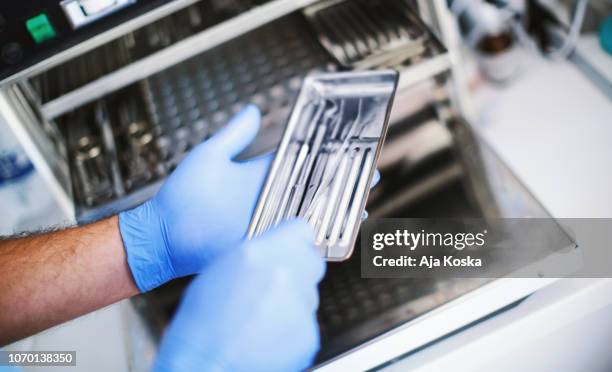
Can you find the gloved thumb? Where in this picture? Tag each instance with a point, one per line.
(239, 132)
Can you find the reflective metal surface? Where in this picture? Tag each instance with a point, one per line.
(133, 46)
(175, 53)
(148, 126)
(156, 122)
(363, 34)
(326, 159)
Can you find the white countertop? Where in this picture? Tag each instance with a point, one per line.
(554, 129)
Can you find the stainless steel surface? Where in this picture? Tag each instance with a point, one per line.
(184, 41)
(264, 67)
(363, 34)
(117, 132)
(134, 46)
(155, 122)
(187, 102)
(345, 115)
(172, 55)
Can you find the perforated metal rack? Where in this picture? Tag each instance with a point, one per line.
(125, 151)
(187, 103)
(264, 67)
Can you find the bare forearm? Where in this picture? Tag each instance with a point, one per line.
(51, 278)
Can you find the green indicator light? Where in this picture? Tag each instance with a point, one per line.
(40, 28)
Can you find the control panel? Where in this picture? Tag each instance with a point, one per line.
(33, 31)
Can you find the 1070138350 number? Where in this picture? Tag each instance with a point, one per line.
(38, 358)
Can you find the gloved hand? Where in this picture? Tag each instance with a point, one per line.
(204, 207)
(253, 309)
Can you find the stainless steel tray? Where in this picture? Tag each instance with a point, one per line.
(362, 34)
(326, 160)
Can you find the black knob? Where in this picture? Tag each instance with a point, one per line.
(12, 53)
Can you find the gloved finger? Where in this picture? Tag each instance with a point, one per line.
(307, 291)
(307, 250)
(292, 243)
(239, 132)
(375, 179)
(290, 248)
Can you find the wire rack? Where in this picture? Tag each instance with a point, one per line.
(158, 120)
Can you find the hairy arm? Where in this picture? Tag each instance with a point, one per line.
(203, 208)
(50, 278)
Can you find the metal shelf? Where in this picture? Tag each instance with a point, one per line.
(172, 55)
(423, 70)
(187, 62)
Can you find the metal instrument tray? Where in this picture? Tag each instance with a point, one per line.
(326, 160)
(362, 34)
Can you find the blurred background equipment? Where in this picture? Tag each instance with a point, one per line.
(26, 202)
(106, 98)
(496, 29)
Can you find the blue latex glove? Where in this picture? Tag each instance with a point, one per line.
(253, 309)
(204, 207)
